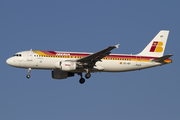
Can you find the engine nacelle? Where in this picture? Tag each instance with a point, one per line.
(66, 65)
(57, 74)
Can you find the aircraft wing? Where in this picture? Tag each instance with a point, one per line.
(93, 58)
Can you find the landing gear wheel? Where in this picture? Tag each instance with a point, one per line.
(87, 75)
(82, 80)
(28, 76)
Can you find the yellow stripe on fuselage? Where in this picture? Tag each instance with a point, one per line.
(39, 52)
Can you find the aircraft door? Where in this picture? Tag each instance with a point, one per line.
(30, 56)
(138, 60)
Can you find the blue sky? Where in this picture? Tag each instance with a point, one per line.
(89, 26)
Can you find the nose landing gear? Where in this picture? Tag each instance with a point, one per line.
(28, 75)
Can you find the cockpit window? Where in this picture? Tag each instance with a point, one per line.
(18, 55)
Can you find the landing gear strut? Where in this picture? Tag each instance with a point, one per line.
(29, 71)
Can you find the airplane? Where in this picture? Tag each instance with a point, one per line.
(67, 64)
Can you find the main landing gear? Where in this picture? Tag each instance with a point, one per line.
(29, 71)
(87, 75)
(82, 80)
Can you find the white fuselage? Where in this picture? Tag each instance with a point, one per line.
(29, 59)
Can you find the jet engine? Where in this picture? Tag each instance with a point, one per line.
(57, 74)
(66, 65)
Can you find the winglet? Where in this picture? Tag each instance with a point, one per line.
(117, 46)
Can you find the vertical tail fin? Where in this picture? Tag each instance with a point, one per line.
(157, 46)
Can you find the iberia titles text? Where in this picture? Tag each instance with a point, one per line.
(62, 54)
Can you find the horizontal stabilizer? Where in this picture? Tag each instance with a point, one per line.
(160, 59)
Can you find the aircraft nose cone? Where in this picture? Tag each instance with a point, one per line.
(9, 61)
